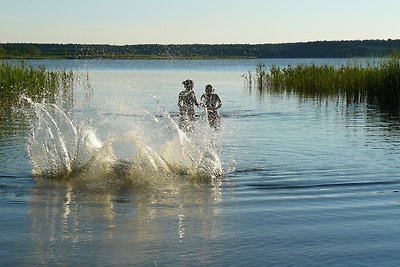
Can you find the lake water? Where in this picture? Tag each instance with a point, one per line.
(304, 182)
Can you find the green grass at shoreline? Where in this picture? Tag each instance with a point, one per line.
(373, 83)
(35, 82)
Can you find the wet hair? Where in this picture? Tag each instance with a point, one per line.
(187, 82)
(209, 88)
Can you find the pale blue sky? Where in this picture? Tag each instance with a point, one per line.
(197, 21)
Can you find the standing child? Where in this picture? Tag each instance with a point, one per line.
(212, 103)
(186, 101)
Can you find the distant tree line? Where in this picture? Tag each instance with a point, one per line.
(317, 49)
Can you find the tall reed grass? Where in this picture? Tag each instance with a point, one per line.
(374, 83)
(35, 82)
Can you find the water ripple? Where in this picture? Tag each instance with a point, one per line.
(322, 186)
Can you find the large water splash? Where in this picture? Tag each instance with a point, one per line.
(158, 151)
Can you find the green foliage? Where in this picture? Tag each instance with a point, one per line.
(261, 76)
(375, 83)
(35, 82)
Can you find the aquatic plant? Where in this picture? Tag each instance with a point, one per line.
(375, 83)
(35, 82)
(248, 80)
(261, 76)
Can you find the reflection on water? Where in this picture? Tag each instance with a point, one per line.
(69, 222)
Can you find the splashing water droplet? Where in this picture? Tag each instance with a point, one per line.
(158, 150)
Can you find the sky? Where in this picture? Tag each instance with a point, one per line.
(124, 22)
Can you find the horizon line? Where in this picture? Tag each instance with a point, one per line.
(166, 44)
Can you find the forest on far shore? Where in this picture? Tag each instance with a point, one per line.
(316, 49)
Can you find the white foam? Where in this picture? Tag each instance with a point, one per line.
(155, 149)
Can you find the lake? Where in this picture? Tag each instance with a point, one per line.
(109, 179)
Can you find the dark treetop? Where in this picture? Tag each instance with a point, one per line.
(317, 49)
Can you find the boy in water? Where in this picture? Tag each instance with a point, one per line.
(186, 101)
(212, 103)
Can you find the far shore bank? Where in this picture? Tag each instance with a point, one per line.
(315, 49)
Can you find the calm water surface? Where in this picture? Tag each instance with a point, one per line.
(306, 183)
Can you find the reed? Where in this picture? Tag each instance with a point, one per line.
(261, 77)
(34, 82)
(374, 83)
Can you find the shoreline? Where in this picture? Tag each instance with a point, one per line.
(317, 49)
(140, 57)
